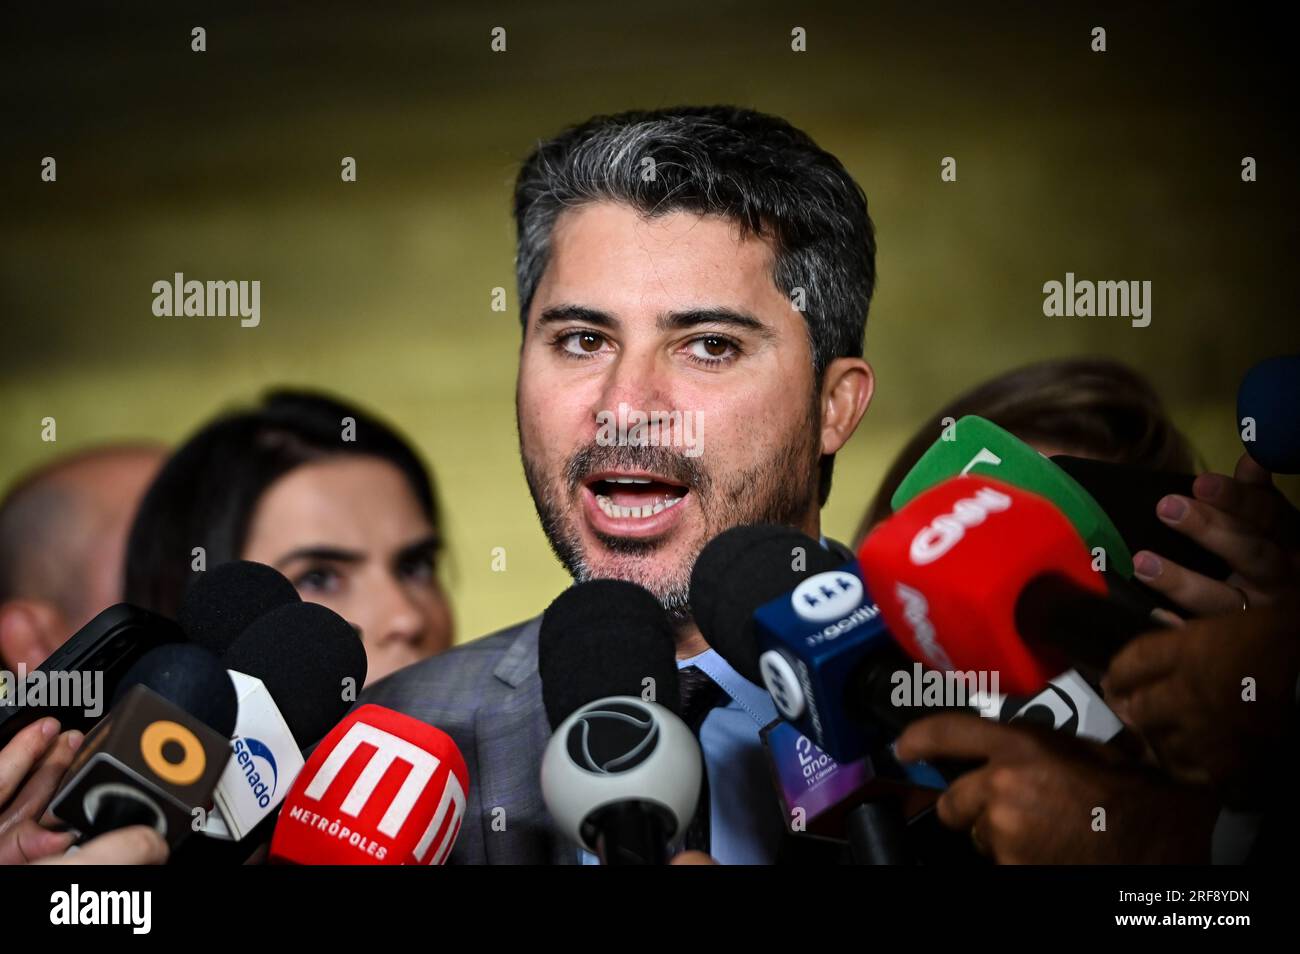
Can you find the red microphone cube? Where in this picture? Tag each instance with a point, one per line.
(381, 788)
(946, 571)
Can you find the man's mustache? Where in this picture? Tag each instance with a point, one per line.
(660, 461)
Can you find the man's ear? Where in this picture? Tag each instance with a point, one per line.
(30, 630)
(847, 387)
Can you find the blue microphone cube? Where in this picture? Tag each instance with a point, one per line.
(811, 639)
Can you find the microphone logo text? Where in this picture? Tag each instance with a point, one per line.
(945, 531)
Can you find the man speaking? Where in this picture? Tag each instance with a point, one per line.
(709, 269)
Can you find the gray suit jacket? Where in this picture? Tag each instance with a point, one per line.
(487, 696)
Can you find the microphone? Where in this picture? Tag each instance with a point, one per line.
(800, 632)
(292, 669)
(949, 568)
(152, 760)
(786, 613)
(382, 788)
(89, 666)
(836, 677)
(311, 661)
(737, 572)
(1267, 403)
(1129, 496)
(225, 600)
(1054, 614)
(621, 775)
(188, 676)
(981, 448)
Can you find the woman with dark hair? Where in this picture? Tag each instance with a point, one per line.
(1085, 407)
(331, 497)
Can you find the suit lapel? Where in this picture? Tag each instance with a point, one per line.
(510, 737)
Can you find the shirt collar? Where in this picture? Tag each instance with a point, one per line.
(751, 698)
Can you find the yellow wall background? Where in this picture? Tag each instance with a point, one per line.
(225, 165)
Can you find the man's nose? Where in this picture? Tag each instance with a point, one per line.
(639, 378)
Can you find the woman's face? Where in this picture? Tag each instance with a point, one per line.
(350, 534)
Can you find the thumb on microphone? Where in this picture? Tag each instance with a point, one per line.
(133, 845)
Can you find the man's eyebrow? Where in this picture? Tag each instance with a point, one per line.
(682, 320)
(591, 316)
(333, 554)
(669, 321)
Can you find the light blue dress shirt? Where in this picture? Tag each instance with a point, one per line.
(745, 823)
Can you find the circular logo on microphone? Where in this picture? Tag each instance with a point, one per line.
(173, 752)
(827, 596)
(609, 738)
(782, 684)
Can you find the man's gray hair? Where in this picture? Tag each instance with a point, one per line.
(757, 170)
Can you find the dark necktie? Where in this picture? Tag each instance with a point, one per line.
(699, 695)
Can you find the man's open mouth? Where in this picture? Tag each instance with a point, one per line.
(635, 496)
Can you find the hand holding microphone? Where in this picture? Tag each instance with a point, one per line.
(133, 845)
(1215, 699)
(31, 765)
(35, 759)
(155, 758)
(1203, 531)
(1243, 519)
(1044, 798)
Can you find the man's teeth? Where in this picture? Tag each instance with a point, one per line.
(649, 510)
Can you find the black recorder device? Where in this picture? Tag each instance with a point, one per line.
(110, 643)
(1129, 496)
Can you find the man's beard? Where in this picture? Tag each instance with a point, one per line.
(778, 490)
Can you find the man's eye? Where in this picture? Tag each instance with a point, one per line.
(582, 342)
(712, 348)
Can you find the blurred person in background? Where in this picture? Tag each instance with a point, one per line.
(1084, 407)
(63, 530)
(331, 497)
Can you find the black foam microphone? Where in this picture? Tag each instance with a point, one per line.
(740, 570)
(297, 669)
(188, 676)
(225, 600)
(745, 568)
(605, 638)
(310, 659)
(621, 775)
